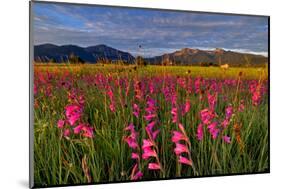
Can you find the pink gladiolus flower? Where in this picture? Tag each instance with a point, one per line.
(137, 176)
(112, 102)
(181, 128)
(178, 136)
(78, 129)
(153, 166)
(72, 119)
(228, 115)
(212, 99)
(60, 123)
(72, 109)
(135, 156)
(256, 98)
(225, 123)
(110, 93)
(149, 117)
(81, 100)
(155, 133)
(151, 102)
(73, 113)
(136, 110)
(174, 113)
(241, 106)
(226, 139)
(66, 132)
(130, 128)
(150, 126)
(180, 148)
(186, 107)
(151, 87)
(206, 116)
(146, 143)
(88, 132)
(112, 107)
(184, 160)
(200, 132)
(137, 88)
(213, 129)
(197, 84)
(131, 142)
(228, 112)
(148, 152)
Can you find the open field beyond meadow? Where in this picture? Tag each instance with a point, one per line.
(100, 123)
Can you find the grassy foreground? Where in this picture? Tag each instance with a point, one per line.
(102, 123)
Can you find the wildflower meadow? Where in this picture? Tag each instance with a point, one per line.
(111, 123)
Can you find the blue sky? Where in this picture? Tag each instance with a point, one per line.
(156, 31)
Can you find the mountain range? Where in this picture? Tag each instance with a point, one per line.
(210, 57)
(55, 53)
(185, 56)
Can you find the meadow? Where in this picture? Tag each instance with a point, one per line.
(108, 123)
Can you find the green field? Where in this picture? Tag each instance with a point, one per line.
(107, 96)
(206, 72)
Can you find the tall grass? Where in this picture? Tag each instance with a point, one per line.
(107, 157)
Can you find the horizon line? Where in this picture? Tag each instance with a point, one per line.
(135, 54)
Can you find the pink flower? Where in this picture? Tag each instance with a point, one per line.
(60, 123)
(150, 126)
(180, 148)
(181, 128)
(73, 119)
(135, 156)
(256, 98)
(149, 117)
(225, 123)
(137, 176)
(131, 142)
(136, 110)
(78, 129)
(151, 87)
(206, 116)
(72, 109)
(134, 175)
(154, 166)
(186, 107)
(212, 99)
(226, 139)
(200, 132)
(112, 107)
(213, 129)
(130, 128)
(155, 133)
(66, 132)
(73, 113)
(146, 143)
(178, 136)
(241, 106)
(148, 152)
(110, 93)
(228, 112)
(151, 102)
(197, 84)
(137, 89)
(174, 113)
(88, 131)
(184, 160)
